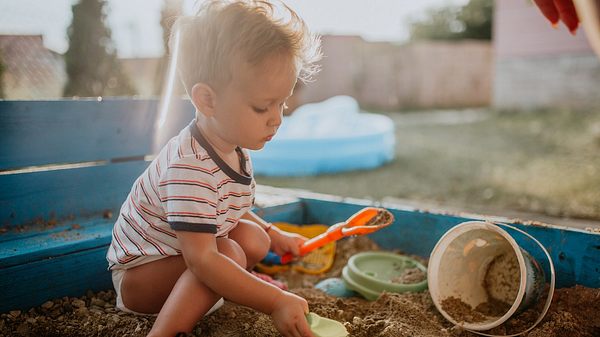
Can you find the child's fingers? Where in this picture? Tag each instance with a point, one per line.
(294, 248)
(304, 329)
(549, 10)
(568, 14)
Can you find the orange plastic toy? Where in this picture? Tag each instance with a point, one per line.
(365, 221)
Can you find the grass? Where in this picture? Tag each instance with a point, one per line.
(534, 161)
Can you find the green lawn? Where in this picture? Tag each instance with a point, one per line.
(535, 161)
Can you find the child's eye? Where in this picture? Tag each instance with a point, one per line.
(259, 110)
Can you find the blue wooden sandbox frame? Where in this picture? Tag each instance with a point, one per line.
(67, 165)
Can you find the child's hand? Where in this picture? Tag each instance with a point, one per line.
(283, 242)
(289, 316)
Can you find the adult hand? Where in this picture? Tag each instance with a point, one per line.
(560, 10)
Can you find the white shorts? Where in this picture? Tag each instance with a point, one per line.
(117, 278)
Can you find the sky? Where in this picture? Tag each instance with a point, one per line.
(137, 33)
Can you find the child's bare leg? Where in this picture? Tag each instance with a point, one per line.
(253, 239)
(168, 286)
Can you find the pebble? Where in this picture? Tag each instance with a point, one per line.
(55, 313)
(95, 310)
(78, 303)
(67, 307)
(81, 311)
(97, 302)
(48, 305)
(15, 313)
(23, 329)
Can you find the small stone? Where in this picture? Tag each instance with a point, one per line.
(96, 311)
(15, 313)
(23, 329)
(97, 302)
(67, 307)
(31, 320)
(55, 313)
(78, 303)
(115, 318)
(81, 312)
(48, 305)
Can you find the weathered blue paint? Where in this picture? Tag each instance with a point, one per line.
(68, 131)
(292, 212)
(59, 194)
(64, 240)
(31, 284)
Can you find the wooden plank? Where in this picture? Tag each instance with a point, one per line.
(70, 264)
(71, 193)
(575, 253)
(90, 234)
(31, 284)
(292, 212)
(71, 131)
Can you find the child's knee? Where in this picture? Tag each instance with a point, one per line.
(258, 246)
(232, 250)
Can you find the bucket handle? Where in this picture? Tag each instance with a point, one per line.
(550, 291)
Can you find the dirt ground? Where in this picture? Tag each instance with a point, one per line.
(575, 312)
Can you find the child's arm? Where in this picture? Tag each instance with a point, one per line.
(281, 241)
(231, 281)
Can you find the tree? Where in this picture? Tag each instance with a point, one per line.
(471, 21)
(91, 60)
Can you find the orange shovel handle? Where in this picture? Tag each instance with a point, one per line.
(355, 225)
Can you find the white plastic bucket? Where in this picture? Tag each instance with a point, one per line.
(477, 260)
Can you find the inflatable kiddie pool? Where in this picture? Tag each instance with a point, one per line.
(327, 137)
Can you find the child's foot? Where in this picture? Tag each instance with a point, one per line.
(269, 279)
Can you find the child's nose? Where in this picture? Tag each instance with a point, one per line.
(277, 117)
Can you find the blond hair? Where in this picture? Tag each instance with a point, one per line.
(221, 31)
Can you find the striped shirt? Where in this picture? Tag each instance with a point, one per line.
(187, 187)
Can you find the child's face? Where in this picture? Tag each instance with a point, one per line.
(248, 110)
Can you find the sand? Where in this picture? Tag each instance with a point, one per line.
(575, 313)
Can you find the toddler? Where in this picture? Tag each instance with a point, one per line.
(185, 237)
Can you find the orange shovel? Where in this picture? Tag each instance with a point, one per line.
(365, 221)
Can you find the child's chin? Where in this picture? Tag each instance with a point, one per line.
(256, 147)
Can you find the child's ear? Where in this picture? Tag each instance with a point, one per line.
(203, 98)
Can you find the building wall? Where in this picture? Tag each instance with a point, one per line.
(537, 66)
(417, 75)
(31, 71)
